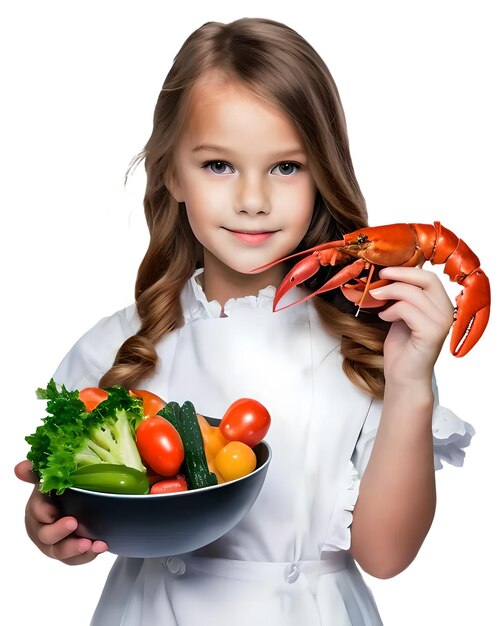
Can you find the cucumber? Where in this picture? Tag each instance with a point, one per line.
(171, 413)
(196, 469)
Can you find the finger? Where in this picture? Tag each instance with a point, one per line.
(80, 559)
(24, 471)
(419, 298)
(76, 550)
(411, 315)
(73, 550)
(426, 280)
(41, 508)
(429, 294)
(98, 547)
(50, 534)
(417, 320)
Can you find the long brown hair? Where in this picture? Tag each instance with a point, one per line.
(274, 62)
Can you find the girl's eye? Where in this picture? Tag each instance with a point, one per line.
(218, 167)
(285, 169)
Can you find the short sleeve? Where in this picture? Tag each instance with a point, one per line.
(93, 354)
(450, 436)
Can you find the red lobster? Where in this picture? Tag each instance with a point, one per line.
(398, 244)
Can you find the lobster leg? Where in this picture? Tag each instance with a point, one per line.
(302, 271)
(353, 294)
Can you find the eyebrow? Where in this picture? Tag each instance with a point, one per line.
(283, 154)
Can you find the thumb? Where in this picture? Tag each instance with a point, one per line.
(24, 471)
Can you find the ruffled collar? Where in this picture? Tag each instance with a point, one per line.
(196, 306)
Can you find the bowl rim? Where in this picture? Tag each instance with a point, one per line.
(179, 494)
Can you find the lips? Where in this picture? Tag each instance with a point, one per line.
(252, 236)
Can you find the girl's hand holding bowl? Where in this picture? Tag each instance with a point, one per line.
(54, 536)
(135, 523)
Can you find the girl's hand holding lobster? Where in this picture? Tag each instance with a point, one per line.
(421, 315)
(405, 246)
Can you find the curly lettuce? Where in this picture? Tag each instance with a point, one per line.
(70, 437)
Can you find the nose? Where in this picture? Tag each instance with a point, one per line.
(252, 196)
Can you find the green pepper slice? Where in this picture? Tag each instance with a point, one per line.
(110, 478)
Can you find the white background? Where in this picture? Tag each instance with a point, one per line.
(420, 86)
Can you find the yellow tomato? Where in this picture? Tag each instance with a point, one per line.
(235, 460)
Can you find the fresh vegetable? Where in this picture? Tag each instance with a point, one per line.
(212, 437)
(110, 478)
(130, 441)
(71, 437)
(160, 445)
(213, 442)
(171, 413)
(235, 460)
(151, 402)
(91, 397)
(195, 465)
(170, 485)
(245, 420)
(152, 477)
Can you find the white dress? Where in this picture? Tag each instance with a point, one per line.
(287, 562)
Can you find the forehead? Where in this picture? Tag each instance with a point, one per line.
(224, 109)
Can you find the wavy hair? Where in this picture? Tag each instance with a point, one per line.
(276, 63)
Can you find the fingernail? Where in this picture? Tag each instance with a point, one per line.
(71, 524)
(98, 547)
(375, 292)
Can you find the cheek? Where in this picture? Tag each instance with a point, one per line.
(204, 198)
(202, 215)
(195, 220)
(300, 203)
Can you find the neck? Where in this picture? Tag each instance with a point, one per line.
(222, 283)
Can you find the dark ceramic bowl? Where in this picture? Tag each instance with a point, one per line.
(165, 524)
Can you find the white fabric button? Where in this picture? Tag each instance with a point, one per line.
(174, 565)
(291, 573)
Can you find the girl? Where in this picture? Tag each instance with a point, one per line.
(248, 161)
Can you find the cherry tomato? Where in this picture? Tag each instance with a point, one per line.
(235, 460)
(170, 485)
(160, 445)
(91, 397)
(245, 420)
(151, 402)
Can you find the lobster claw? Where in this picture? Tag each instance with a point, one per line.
(303, 270)
(473, 308)
(306, 269)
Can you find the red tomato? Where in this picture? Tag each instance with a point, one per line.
(160, 445)
(151, 402)
(245, 420)
(91, 397)
(170, 485)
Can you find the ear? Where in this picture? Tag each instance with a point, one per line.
(172, 184)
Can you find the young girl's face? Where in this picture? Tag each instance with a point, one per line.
(242, 172)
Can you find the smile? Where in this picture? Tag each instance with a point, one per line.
(252, 237)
